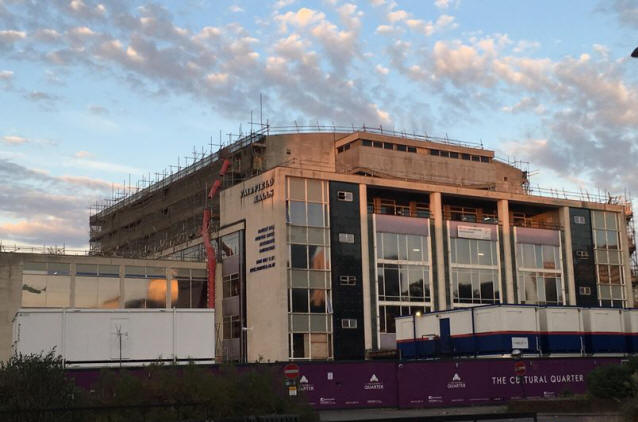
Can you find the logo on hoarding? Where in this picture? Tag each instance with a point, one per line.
(327, 400)
(456, 382)
(373, 384)
(304, 385)
(435, 399)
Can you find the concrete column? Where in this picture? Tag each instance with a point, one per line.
(568, 259)
(365, 267)
(504, 220)
(624, 246)
(436, 210)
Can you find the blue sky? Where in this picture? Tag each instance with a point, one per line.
(95, 92)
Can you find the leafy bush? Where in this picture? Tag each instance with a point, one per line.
(35, 381)
(613, 382)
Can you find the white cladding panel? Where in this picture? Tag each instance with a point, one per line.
(602, 320)
(34, 334)
(631, 320)
(560, 319)
(460, 321)
(505, 318)
(102, 336)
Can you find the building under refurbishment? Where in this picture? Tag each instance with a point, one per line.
(323, 236)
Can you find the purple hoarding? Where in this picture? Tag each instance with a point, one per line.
(424, 383)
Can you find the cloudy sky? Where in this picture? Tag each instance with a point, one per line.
(97, 92)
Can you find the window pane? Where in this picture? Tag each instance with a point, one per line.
(34, 290)
(315, 215)
(391, 276)
(58, 291)
(314, 190)
(487, 286)
(86, 269)
(299, 278)
(548, 257)
(598, 221)
(404, 282)
(484, 252)
(380, 283)
(390, 246)
(109, 270)
(318, 257)
(540, 285)
(300, 322)
(298, 256)
(184, 293)
(297, 213)
(319, 348)
(551, 295)
(297, 234)
(108, 292)
(600, 236)
(317, 279)
(297, 189)
(603, 274)
(379, 238)
(605, 292)
(416, 284)
(616, 292)
(135, 292)
(612, 239)
(198, 293)
(415, 248)
(614, 257)
(56, 268)
(403, 245)
(299, 300)
(465, 286)
(318, 323)
(86, 291)
(316, 236)
(529, 259)
(462, 251)
(531, 293)
(601, 257)
(391, 313)
(298, 345)
(610, 221)
(614, 274)
(317, 301)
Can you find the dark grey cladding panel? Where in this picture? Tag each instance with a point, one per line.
(583, 257)
(230, 265)
(347, 298)
(404, 225)
(473, 230)
(537, 236)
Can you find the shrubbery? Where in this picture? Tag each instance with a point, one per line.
(618, 383)
(154, 393)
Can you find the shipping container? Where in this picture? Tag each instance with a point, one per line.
(604, 330)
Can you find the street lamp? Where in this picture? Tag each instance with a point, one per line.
(414, 315)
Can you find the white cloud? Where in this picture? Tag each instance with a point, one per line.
(397, 15)
(6, 75)
(10, 35)
(382, 70)
(301, 18)
(235, 8)
(384, 29)
(14, 140)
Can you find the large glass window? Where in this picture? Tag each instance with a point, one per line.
(539, 275)
(403, 276)
(309, 291)
(474, 270)
(609, 259)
